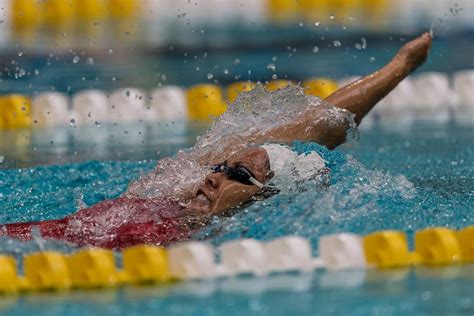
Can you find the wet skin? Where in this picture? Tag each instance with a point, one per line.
(218, 192)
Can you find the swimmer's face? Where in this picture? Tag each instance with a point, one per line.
(218, 192)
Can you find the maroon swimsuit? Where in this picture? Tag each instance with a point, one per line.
(113, 224)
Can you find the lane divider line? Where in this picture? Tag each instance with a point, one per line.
(95, 268)
(428, 96)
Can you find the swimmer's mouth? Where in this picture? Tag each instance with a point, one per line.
(202, 197)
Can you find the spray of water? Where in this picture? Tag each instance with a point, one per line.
(254, 112)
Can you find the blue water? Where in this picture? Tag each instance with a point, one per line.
(404, 178)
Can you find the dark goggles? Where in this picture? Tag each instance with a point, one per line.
(239, 174)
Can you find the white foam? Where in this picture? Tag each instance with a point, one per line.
(127, 105)
(169, 103)
(89, 107)
(50, 109)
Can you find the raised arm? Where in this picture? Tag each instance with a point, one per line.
(358, 97)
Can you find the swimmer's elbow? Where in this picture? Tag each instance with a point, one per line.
(331, 138)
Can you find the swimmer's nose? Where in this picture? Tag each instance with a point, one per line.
(213, 180)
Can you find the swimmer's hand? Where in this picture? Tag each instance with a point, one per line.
(415, 53)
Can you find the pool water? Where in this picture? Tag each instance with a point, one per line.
(394, 177)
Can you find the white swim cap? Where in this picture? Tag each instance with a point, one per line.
(293, 171)
(281, 156)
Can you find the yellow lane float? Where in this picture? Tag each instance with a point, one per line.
(59, 13)
(91, 10)
(93, 268)
(234, 89)
(123, 9)
(438, 246)
(466, 241)
(281, 11)
(319, 87)
(205, 101)
(25, 14)
(10, 282)
(46, 271)
(145, 264)
(277, 84)
(15, 111)
(387, 249)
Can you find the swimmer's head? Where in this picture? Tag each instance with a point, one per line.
(221, 190)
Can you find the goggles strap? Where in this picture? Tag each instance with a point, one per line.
(256, 182)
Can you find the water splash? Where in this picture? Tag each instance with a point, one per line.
(355, 198)
(254, 112)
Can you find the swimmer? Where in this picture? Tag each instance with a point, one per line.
(131, 220)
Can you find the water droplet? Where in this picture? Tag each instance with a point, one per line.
(274, 77)
(371, 59)
(226, 71)
(90, 61)
(210, 76)
(315, 49)
(271, 66)
(236, 61)
(76, 59)
(362, 45)
(300, 24)
(72, 122)
(20, 53)
(317, 23)
(111, 51)
(336, 43)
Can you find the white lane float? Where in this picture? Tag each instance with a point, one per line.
(433, 97)
(90, 107)
(50, 109)
(127, 105)
(169, 103)
(342, 251)
(243, 256)
(252, 11)
(463, 82)
(398, 105)
(289, 253)
(192, 260)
